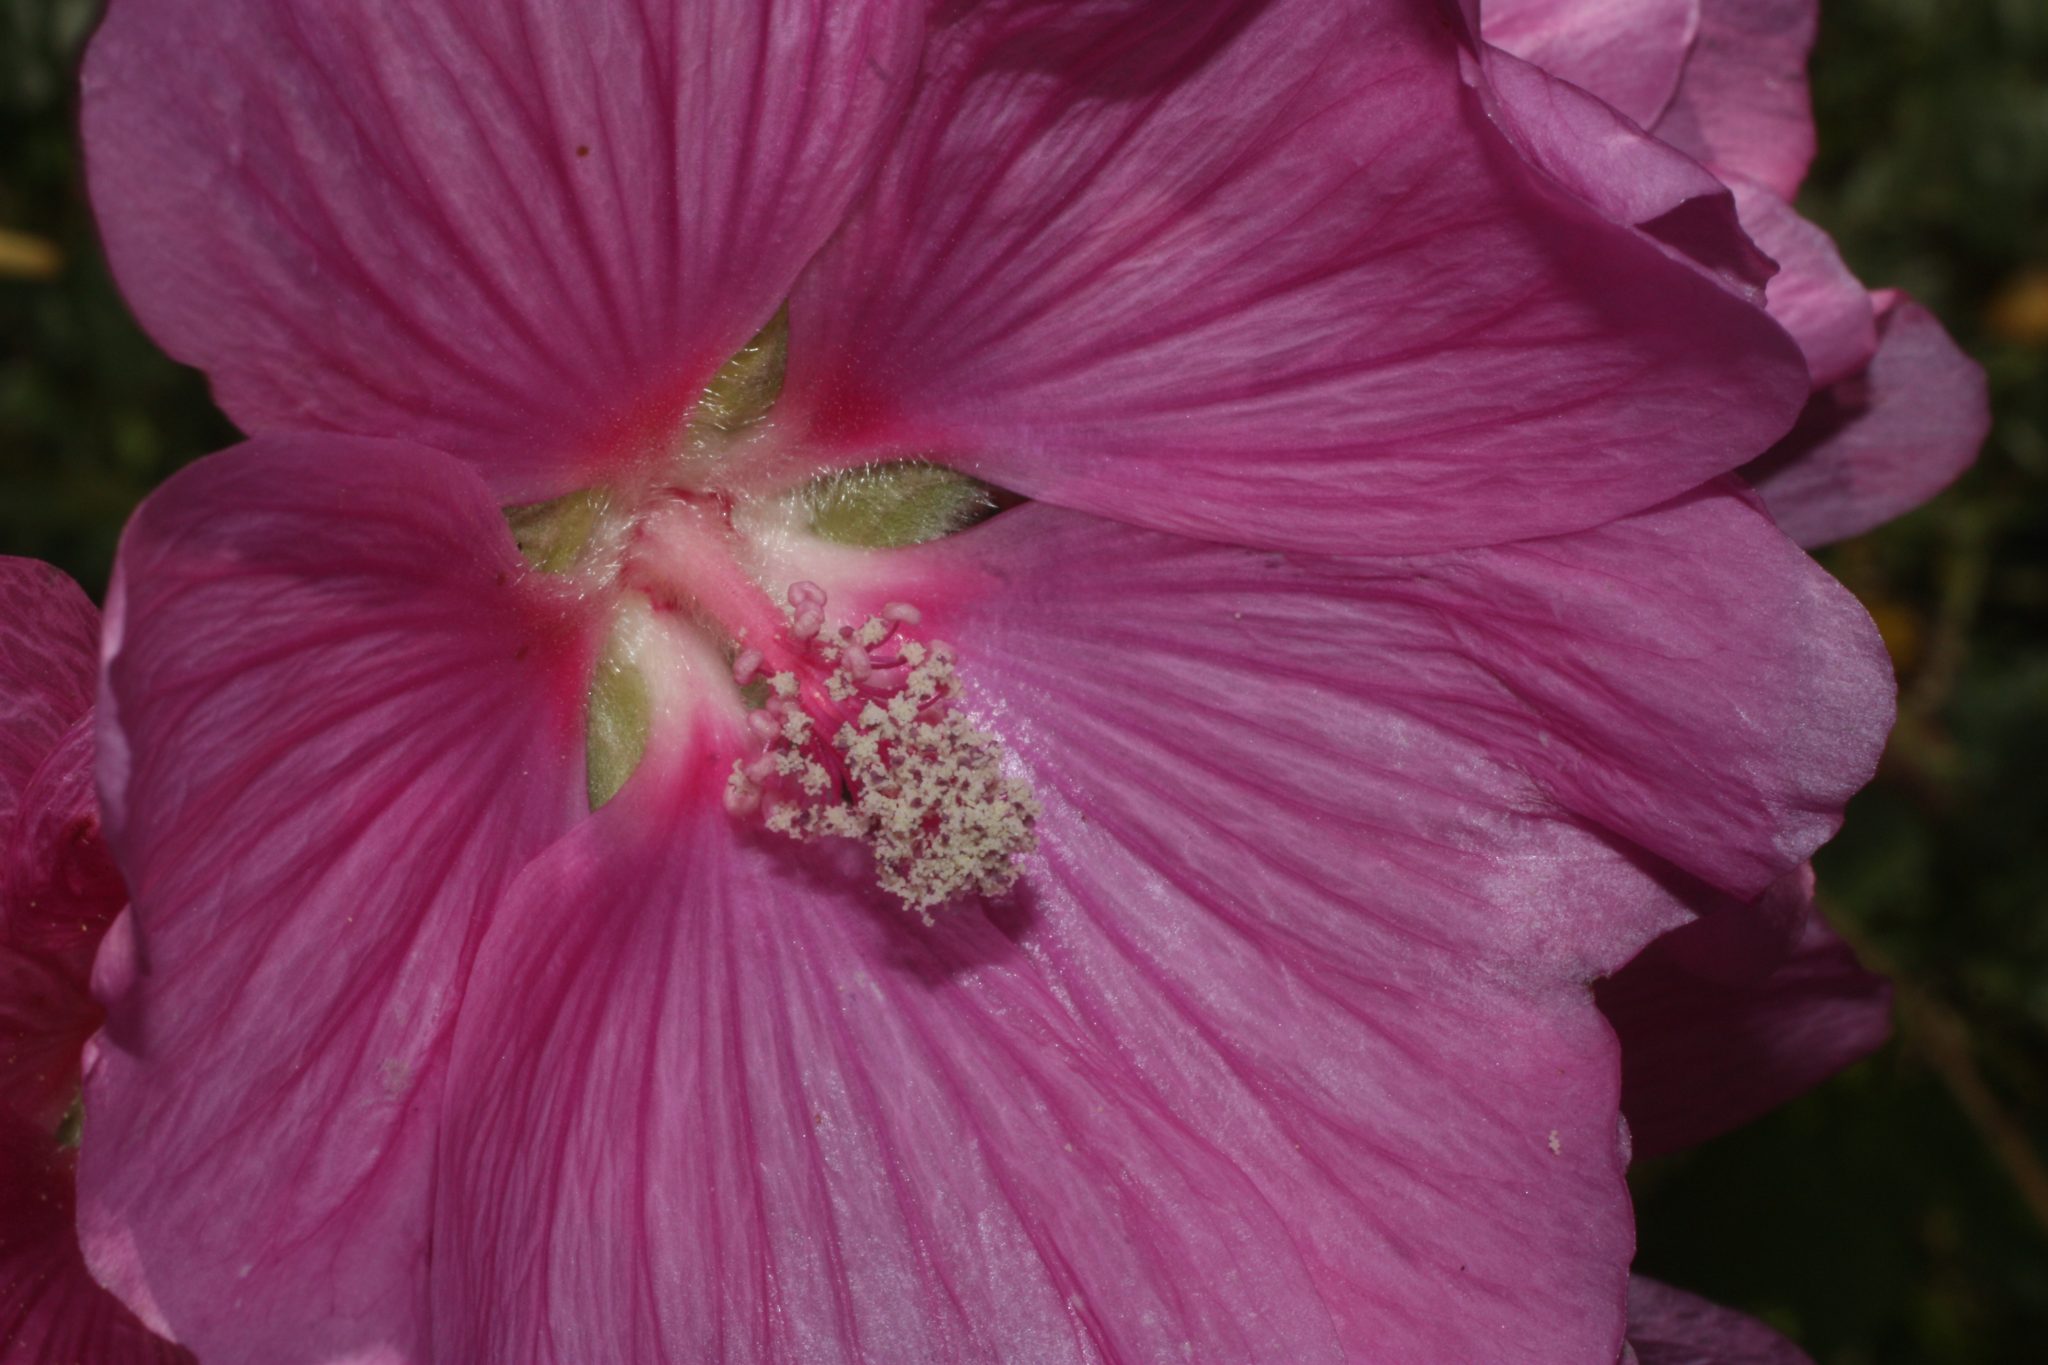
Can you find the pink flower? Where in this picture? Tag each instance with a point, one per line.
(1380, 658)
(58, 892)
(1897, 410)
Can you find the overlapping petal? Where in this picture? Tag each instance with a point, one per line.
(1303, 293)
(1726, 1018)
(522, 233)
(1813, 295)
(1628, 52)
(1668, 1326)
(1741, 105)
(339, 716)
(1879, 443)
(1628, 175)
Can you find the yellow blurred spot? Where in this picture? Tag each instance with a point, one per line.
(1900, 628)
(25, 256)
(2019, 311)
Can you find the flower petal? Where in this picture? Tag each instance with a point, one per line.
(1291, 288)
(1685, 679)
(1628, 52)
(49, 651)
(1880, 443)
(339, 716)
(712, 1102)
(525, 233)
(58, 892)
(1742, 106)
(1711, 1039)
(51, 1311)
(1626, 174)
(1668, 1326)
(1813, 295)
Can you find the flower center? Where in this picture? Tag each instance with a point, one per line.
(847, 728)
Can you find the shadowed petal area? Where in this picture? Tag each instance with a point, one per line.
(339, 715)
(1882, 442)
(1726, 1018)
(1742, 105)
(713, 1103)
(58, 892)
(1668, 1326)
(524, 233)
(1297, 290)
(57, 886)
(49, 647)
(1628, 52)
(51, 1311)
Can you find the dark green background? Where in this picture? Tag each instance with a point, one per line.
(1900, 1214)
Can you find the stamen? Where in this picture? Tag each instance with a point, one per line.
(875, 748)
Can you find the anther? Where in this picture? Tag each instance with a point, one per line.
(885, 758)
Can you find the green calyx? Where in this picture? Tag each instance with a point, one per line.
(553, 534)
(615, 726)
(887, 506)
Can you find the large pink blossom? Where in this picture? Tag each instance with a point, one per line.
(1897, 411)
(58, 893)
(1383, 654)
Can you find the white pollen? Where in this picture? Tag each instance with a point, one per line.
(907, 773)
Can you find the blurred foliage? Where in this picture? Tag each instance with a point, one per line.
(1885, 1218)
(92, 415)
(1880, 1219)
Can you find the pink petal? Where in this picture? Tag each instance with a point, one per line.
(58, 884)
(58, 892)
(1813, 295)
(49, 650)
(522, 233)
(1741, 105)
(1622, 171)
(339, 715)
(1685, 679)
(1668, 1326)
(1879, 444)
(58, 888)
(51, 1311)
(1628, 52)
(1716, 1031)
(1290, 288)
(714, 1103)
